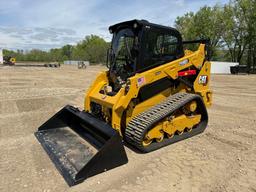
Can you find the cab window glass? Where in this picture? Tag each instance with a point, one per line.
(159, 48)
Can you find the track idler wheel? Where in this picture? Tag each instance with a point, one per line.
(189, 129)
(170, 136)
(180, 132)
(161, 138)
(147, 141)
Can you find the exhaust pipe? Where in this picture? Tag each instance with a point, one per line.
(80, 145)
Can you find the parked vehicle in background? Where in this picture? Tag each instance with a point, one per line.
(82, 64)
(8, 60)
(53, 64)
(242, 69)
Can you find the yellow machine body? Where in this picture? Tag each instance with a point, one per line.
(13, 60)
(122, 101)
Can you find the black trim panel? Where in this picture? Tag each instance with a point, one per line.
(154, 88)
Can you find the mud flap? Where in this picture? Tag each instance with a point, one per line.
(80, 145)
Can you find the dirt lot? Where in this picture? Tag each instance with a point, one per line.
(220, 159)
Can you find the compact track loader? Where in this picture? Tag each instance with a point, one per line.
(155, 93)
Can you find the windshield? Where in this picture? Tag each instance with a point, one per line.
(122, 44)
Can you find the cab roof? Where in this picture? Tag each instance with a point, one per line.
(141, 23)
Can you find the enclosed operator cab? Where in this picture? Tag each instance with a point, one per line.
(138, 45)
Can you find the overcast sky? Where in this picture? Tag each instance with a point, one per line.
(45, 24)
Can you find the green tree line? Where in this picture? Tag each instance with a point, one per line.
(231, 28)
(93, 48)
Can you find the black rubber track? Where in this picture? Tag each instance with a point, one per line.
(141, 124)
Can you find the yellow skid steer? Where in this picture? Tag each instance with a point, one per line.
(153, 94)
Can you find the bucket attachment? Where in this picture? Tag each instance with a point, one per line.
(80, 145)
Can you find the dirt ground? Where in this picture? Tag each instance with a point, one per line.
(223, 158)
